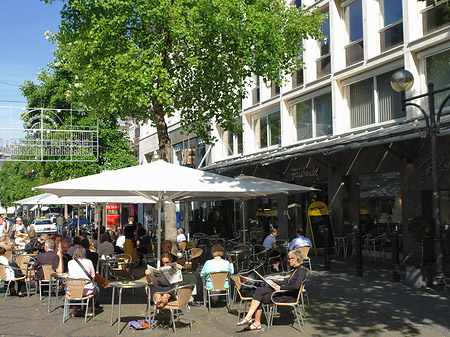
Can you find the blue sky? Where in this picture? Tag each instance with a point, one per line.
(24, 50)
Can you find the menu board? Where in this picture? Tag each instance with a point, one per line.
(319, 219)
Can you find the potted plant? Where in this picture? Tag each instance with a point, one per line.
(422, 230)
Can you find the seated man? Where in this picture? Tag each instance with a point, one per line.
(34, 244)
(61, 261)
(166, 247)
(44, 258)
(300, 241)
(106, 247)
(181, 237)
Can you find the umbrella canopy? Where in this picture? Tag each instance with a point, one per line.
(52, 199)
(159, 181)
(279, 185)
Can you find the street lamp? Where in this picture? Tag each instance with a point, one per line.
(401, 81)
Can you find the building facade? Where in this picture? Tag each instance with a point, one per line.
(337, 125)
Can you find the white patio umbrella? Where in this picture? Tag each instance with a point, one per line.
(159, 181)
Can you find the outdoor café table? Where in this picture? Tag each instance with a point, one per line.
(105, 264)
(235, 254)
(121, 286)
(55, 277)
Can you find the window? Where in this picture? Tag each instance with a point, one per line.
(435, 17)
(438, 72)
(354, 51)
(256, 96)
(313, 117)
(297, 78)
(232, 143)
(391, 34)
(189, 152)
(323, 63)
(274, 89)
(268, 130)
(373, 101)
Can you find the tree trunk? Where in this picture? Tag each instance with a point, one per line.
(170, 218)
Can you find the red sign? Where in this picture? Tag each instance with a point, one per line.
(112, 215)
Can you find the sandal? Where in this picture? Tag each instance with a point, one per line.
(245, 321)
(253, 326)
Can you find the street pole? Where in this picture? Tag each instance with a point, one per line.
(440, 277)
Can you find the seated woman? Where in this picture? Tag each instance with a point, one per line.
(263, 295)
(164, 295)
(12, 271)
(216, 264)
(82, 268)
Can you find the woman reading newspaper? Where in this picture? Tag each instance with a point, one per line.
(263, 295)
(162, 292)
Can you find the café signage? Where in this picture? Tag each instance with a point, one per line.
(443, 164)
(305, 172)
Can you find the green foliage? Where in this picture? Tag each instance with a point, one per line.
(17, 178)
(149, 59)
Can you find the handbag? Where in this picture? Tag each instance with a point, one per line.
(85, 271)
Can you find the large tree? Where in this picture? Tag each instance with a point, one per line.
(150, 59)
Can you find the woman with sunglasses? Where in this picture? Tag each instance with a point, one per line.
(263, 295)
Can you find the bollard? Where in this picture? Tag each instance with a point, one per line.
(359, 259)
(395, 257)
(326, 242)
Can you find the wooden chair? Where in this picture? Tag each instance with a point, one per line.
(183, 295)
(8, 254)
(218, 282)
(6, 279)
(295, 306)
(74, 292)
(305, 252)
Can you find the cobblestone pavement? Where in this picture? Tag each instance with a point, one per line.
(341, 304)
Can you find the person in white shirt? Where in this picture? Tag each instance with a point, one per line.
(181, 237)
(300, 241)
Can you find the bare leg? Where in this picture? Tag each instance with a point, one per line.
(258, 317)
(253, 307)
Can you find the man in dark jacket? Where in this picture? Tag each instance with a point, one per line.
(44, 258)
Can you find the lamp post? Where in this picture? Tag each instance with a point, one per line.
(402, 81)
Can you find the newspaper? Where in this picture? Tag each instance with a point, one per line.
(166, 276)
(268, 281)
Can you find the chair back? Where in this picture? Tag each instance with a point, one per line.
(48, 271)
(184, 294)
(8, 254)
(183, 246)
(218, 280)
(3, 272)
(304, 251)
(21, 260)
(76, 287)
(237, 284)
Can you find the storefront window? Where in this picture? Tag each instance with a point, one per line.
(380, 202)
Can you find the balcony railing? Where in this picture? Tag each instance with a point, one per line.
(323, 65)
(391, 36)
(354, 52)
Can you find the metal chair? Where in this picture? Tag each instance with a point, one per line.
(48, 271)
(295, 306)
(376, 245)
(218, 282)
(183, 295)
(239, 288)
(305, 252)
(23, 263)
(74, 292)
(4, 277)
(192, 258)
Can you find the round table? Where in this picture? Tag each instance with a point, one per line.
(121, 286)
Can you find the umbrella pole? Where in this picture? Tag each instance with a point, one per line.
(159, 232)
(78, 221)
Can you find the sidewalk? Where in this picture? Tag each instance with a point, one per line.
(341, 304)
